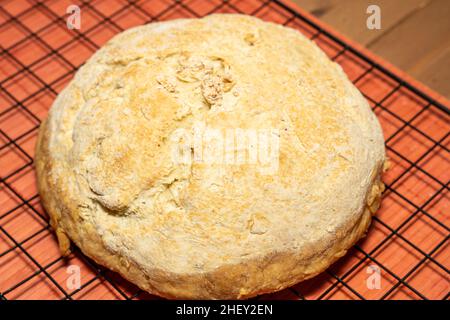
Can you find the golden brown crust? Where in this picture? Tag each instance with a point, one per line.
(190, 231)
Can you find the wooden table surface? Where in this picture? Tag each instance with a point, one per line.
(414, 34)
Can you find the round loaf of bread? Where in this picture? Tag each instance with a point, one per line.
(222, 157)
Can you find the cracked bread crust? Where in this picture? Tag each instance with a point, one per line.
(202, 231)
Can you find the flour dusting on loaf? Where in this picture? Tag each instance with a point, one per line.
(210, 229)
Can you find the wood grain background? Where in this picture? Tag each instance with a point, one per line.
(414, 34)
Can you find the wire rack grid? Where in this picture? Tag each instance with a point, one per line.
(407, 244)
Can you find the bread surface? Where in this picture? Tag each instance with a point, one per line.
(210, 230)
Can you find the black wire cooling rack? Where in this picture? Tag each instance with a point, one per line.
(408, 240)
